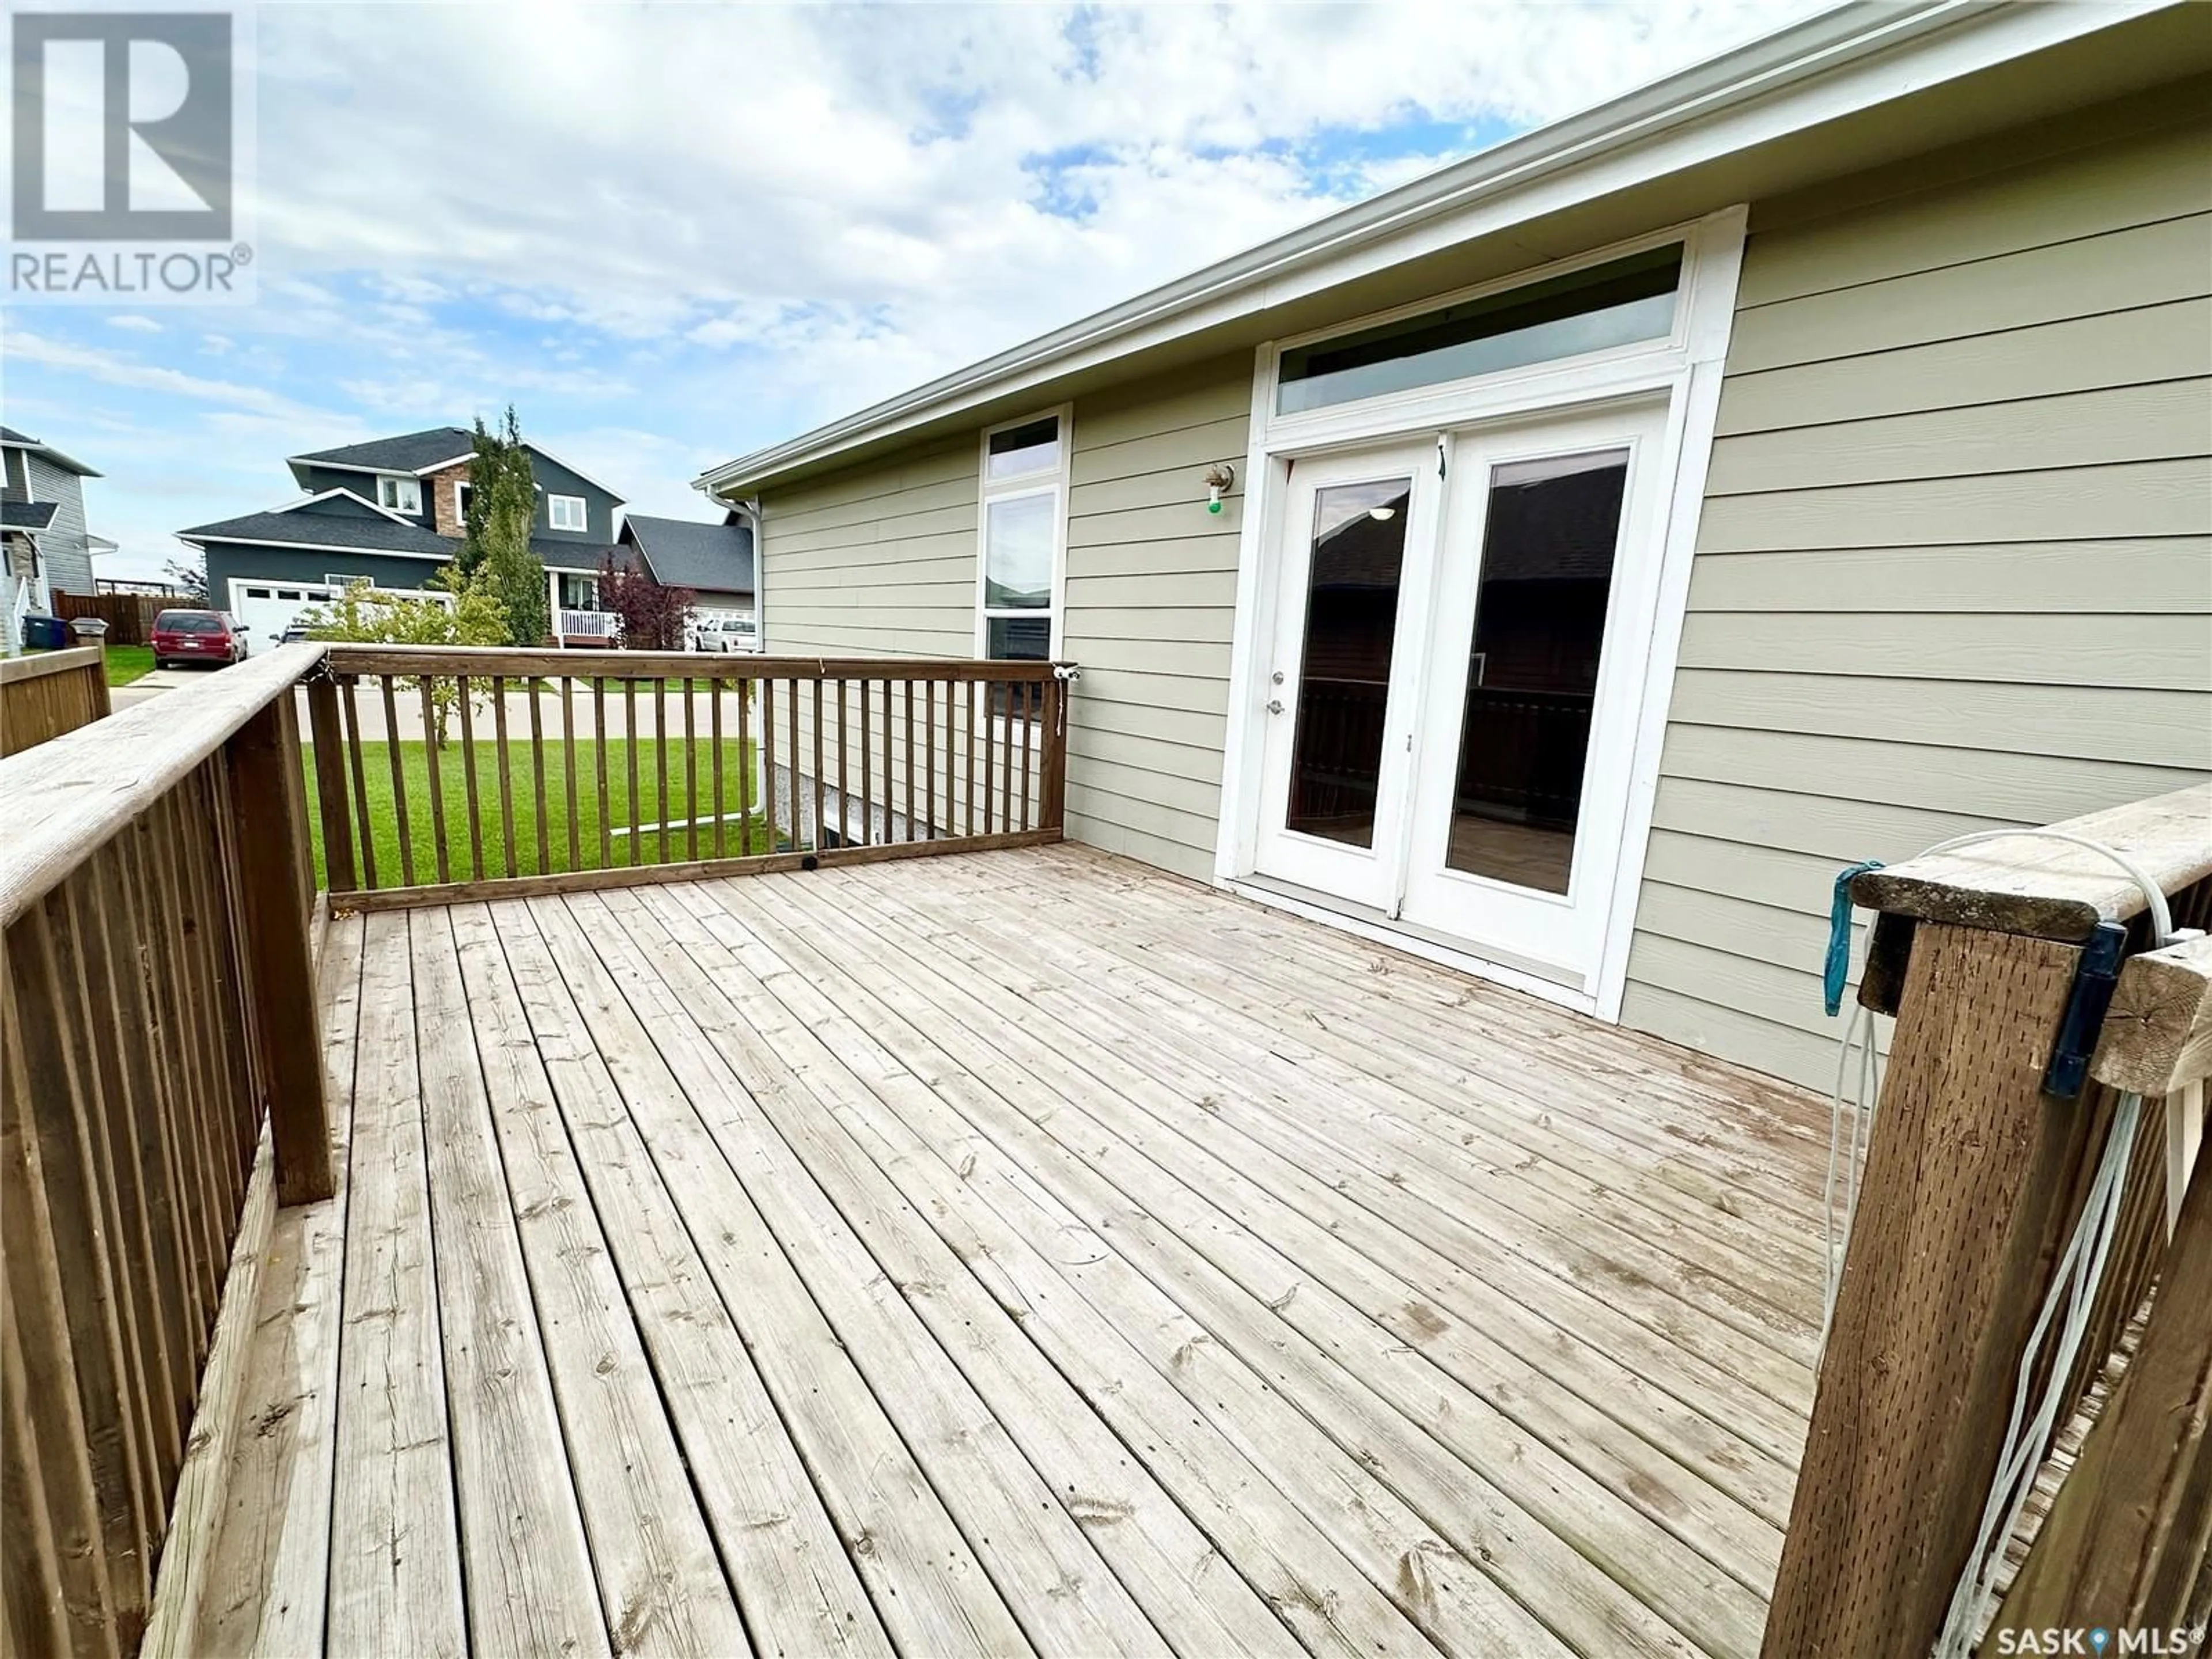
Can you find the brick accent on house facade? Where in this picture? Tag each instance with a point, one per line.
(439, 486)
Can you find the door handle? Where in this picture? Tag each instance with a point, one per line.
(1274, 705)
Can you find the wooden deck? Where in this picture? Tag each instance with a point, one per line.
(1020, 1251)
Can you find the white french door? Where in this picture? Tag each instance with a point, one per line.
(1546, 584)
(1346, 644)
(1457, 671)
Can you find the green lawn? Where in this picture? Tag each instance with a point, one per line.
(624, 848)
(126, 663)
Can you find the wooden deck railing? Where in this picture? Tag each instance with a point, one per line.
(163, 1087)
(1975, 1180)
(42, 696)
(158, 1011)
(445, 775)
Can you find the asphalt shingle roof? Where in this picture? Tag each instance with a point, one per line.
(717, 558)
(368, 535)
(328, 530)
(409, 453)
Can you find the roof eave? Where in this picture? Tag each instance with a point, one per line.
(47, 452)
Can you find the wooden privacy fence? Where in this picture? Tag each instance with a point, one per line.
(130, 617)
(1975, 1180)
(443, 775)
(159, 1011)
(51, 692)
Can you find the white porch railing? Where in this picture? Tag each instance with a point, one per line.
(588, 625)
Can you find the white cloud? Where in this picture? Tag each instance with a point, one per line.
(133, 322)
(117, 368)
(670, 234)
(789, 177)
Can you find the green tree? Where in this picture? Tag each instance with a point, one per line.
(495, 534)
(361, 616)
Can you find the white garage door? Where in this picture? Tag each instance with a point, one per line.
(267, 608)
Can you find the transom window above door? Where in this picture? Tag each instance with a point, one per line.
(1022, 538)
(1621, 303)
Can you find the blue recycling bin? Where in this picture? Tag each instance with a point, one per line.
(45, 634)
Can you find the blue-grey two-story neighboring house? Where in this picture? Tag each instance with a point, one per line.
(391, 510)
(42, 528)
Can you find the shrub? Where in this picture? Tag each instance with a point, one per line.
(363, 615)
(654, 617)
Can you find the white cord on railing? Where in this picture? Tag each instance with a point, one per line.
(1844, 1163)
(2080, 1272)
(2027, 1439)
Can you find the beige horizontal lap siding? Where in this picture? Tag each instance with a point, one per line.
(879, 560)
(1152, 599)
(1954, 568)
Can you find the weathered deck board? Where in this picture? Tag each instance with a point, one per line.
(1434, 1584)
(1137, 1528)
(1254, 1273)
(530, 1588)
(1049, 1574)
(930, 1583)
(1529, 1247)
(271, 1571)
(1020, 1252)
(775, 1538)
(395, 1560)
(660, 1585)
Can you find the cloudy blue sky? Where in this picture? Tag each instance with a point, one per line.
(672, 233)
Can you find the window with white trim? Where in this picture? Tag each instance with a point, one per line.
(399, 495)
(461, 488)
(1022, 538)
(567, 513)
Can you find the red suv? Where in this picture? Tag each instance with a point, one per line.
(182, 636)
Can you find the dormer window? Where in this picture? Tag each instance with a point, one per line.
(399, 495)
(566, 512)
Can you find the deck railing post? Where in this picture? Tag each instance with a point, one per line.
(330, 784)
(1052, 811)
(1974, 1181)
(263, 758)
(1950, 1255)
(2129, 1532)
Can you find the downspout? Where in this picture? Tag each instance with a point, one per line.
(750, 508)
